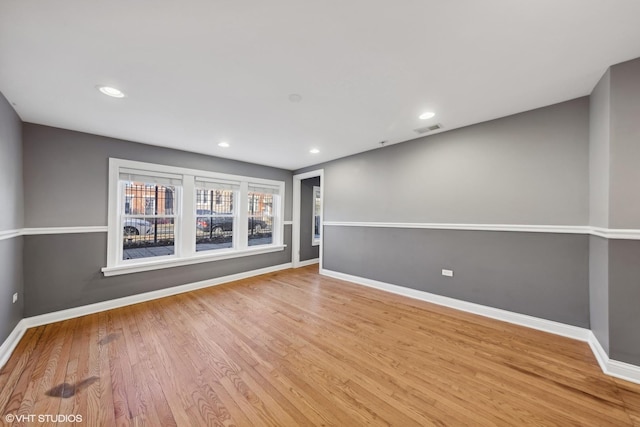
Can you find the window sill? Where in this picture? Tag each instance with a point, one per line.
(177, 262)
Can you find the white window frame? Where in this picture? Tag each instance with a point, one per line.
(185, 222)
(236, 194)
(123, 217)
(255, 187)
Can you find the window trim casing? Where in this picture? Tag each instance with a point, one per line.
(184, 253)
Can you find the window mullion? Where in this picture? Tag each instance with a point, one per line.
(187, 214)
(242, 217)
(119, 222)
(278, 209)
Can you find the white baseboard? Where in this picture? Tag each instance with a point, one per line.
(70, 313)
(6, 349)
(614, 368)
(557, 328)
(308, 262)
(622, 370)
(598, 351)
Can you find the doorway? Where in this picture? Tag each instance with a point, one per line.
(308, 211)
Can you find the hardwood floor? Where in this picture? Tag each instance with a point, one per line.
(294, 348)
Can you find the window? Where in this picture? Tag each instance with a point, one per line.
(215, 214)
(147, 221)
(260, 214)
(162, 216)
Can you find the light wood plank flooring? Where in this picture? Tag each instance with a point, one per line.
(294, 348)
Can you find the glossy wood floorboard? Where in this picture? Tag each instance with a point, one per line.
(294, 348)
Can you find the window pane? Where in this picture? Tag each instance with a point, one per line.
(148, 199)
(148, 223)
(260, 218)
(214, 219)
(147, 237)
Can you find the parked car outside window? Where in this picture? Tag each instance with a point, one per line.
(220, 224)
(137, 227)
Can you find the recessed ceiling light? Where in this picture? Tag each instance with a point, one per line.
(427, 115)
(111, 91)
(224, 144)
(314, 151)
(294, 97)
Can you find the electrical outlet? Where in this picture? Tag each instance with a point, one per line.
(15, 297)
(448, 273)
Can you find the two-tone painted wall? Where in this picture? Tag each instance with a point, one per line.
(615, 204)
(65, 218)
(516, 207)
(382, 209)
(11, 281)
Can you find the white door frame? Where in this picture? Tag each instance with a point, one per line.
(295, 232)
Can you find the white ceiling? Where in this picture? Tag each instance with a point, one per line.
(199, 72)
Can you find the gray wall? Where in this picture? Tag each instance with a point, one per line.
(11, 189)
(614, 270)
(539, 274)
(599, 160)
(624, 296)
(66, 173)
(66, 182)
(307, 250)
(625, 145)
(530, 168)
(624, 212)
(11, 281)
(11, 219)
(63, 271)
(599, 289)
(599, 140)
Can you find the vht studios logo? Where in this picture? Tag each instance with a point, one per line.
(43, 418)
